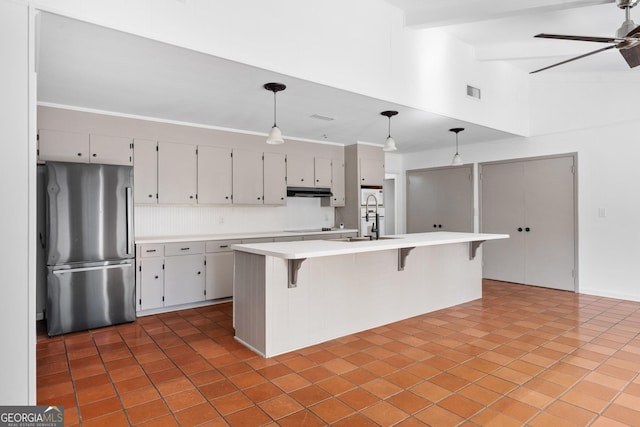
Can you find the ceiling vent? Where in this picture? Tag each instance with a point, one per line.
(473, 92)
(321, 117)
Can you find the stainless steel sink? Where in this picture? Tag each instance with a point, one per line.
(362, 239)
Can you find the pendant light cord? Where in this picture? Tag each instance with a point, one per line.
(274, 109)
(389, 136)
(457, 143)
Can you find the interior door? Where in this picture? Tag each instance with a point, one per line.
(503, 212)
(549, 210)
(422, 201)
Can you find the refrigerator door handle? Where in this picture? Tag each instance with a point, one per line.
(129, 213)
(100, 267)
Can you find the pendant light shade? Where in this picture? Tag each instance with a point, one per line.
(457, 159)
(275, 135)
(390, 143)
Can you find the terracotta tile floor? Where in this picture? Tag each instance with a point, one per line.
(519, 356)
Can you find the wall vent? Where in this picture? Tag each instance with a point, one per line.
(473, 92)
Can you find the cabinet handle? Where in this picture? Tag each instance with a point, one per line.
(519, 229)
(79, 154)
(258, 198)
(150, 250)
(439, 225)
(94, 155)
(184, 249)
(226, 197)
(191, 197)
(527, 229)
(224, 246)
(198, 272)
(150, 195)
(301, 179)
(435, 225)
(156, 277)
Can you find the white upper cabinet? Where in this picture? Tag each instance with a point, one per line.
(177, 173)
(275, 179)
(145, 171)
(59, 146)
(80, 147)
(371, 172)
(337, 182)
(247, 177)
(322, 172)
(214, 175)
(111, 150)
(300, 170)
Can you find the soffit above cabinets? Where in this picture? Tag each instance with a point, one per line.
(91, 67)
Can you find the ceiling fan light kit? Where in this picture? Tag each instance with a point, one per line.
(275, 135)
(457, 159)
(390, 143)
(627, 39)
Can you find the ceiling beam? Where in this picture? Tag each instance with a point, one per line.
(440, 13)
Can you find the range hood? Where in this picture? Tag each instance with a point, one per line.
(308, 192)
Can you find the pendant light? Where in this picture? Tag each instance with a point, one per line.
(275, 136)
(390, 144)
(457, 160)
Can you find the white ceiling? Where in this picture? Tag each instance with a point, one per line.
(91, 67)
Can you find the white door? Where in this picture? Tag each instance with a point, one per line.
(322, 171)
(151, 283)
(248, 179)
(184, 279)
(549, 211)
(219, 277)
(533, 202)
(110, 150)
(503, 212)
(63, 146)
(300, 170)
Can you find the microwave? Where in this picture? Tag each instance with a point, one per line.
(365, 192)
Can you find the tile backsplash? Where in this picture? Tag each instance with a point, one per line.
(299, 213)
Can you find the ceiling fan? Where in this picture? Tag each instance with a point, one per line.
(627, 39)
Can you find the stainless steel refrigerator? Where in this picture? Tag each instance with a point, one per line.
(90, 250)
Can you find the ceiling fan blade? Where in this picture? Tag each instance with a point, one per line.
(631, 55)
(575, 58)
(579, 38)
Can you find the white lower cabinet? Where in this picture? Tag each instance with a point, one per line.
(151, 280)
(219, 283)
(183, 279)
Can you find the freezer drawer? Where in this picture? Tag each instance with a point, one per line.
(90, 296)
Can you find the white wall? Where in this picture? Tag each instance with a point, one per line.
(358, 45)
(608, 177)
(17, 222)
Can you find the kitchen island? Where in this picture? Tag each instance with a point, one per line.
(291, 295)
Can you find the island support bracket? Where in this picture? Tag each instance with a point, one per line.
(473, 247)
(294, 266)
(402, 257)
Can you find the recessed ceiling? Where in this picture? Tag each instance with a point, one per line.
(91, 67)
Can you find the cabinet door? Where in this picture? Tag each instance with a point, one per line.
(337, 182)
(275, 179)
(145, 171)
(247, 177)
(177, 173)
(110, 150)
(184, 279)
(214, 175)
(62, 146)
(322, 172)
(219, 277)
(151, 283)
(300, 170)
(371, 172)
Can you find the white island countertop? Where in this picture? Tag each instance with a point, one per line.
(321, 248)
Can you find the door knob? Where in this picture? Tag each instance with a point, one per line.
(439, 225)
(435, 225)
(527, 229)
(519, 229)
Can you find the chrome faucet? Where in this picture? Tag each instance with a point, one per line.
(375, 228)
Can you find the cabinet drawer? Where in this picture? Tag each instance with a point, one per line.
(258, 240)
(152, 250)
(221, 245)
(185, 248)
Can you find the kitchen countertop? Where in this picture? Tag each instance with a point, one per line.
(320, 248)
(234, 236)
